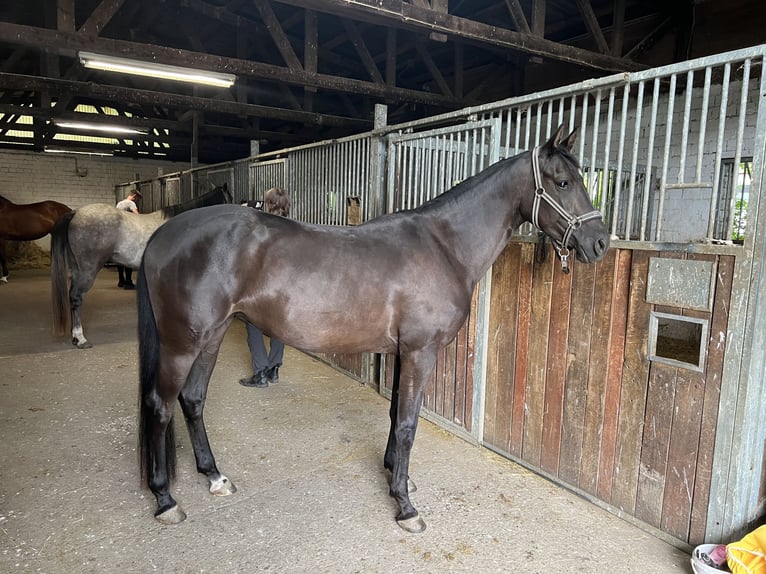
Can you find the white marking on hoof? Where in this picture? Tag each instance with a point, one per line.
(172, 515)
(79, 340)
(411, 486)
(4, 279)
(222, 487)
(414, 524)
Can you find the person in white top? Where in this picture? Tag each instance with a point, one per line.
(128, 204)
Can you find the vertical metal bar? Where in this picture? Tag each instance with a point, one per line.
(620, 157)
(538, 122)
(572, 112)
(650, 157)
(607, 151)
(719, 144)
(507, 138)
(685, 129)
(666, 155)
(738, 151)
(548, 118)
(581, 154)
(703, 122)
(594, 179)
(527, 132)
(562, 105)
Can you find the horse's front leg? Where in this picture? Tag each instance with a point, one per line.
(415, 370)
(192, 399)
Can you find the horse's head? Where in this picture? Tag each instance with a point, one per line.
(560, 205)
(225, 193)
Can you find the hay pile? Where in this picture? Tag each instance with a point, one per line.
(26, 255)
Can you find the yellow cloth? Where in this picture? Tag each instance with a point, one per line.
(748, 556)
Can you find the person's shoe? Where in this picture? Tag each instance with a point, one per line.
(259, 380)
(121, 284)
(273, 374)
(129, 286)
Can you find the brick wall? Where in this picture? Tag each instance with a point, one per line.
(27, 177)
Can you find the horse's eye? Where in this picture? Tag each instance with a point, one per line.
(563, 184)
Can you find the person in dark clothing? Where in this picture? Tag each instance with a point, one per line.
(266, 364)
(126, 273)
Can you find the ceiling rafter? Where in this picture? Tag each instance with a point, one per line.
(138, 96)
(67, 43)
(404, 15)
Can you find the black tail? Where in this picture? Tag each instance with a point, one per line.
(148, 361)
(59, 273)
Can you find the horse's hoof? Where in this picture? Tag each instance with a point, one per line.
(82, 344)
(411, 486)
(4, 279)
(414, 524)
(222, 487)
(173, 515)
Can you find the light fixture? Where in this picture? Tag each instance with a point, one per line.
(112, 129)
(79, 152)
(152, 70)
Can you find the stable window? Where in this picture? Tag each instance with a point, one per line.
(677, 340)
(733, 196)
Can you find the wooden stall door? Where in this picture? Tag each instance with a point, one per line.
(571, 391)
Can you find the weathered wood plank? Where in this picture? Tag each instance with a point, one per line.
(597, 369)
(501, 355)
(457, 400)
(556, 368)
(577, 350)
(448, 383)
(633, 395)
(616, 358)
(716, 350)
(656, 438)
(471, 355)
(542, 280)
(521, 356)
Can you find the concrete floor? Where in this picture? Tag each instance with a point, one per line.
(306, 455)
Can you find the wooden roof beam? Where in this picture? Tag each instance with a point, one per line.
(69, 43)
(412, 17)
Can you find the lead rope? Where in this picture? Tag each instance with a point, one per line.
(573, 221)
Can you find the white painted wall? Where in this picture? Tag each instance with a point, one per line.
(27, 177)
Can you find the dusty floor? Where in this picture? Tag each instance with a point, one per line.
(306, 455)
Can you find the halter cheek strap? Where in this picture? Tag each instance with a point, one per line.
(573, 221)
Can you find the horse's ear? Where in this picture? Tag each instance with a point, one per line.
(553, 143)
(558, 139)
(569, 141)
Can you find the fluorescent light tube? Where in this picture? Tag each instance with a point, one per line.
(99, 153)
(152, 70)
(98, 127)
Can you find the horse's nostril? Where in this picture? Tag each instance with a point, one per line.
(601, 246)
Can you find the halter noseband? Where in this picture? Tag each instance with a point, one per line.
(573, 221)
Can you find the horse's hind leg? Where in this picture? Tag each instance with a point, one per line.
(82, 281)
(415, 370)
(3, 263)
(192, 399)
(157, 408)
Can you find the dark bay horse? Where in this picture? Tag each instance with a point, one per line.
(84, 240)
(400, 284)
(26, 222)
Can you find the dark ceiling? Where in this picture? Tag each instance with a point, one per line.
(306, 70)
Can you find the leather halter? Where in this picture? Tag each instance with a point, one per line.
(573, 221)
